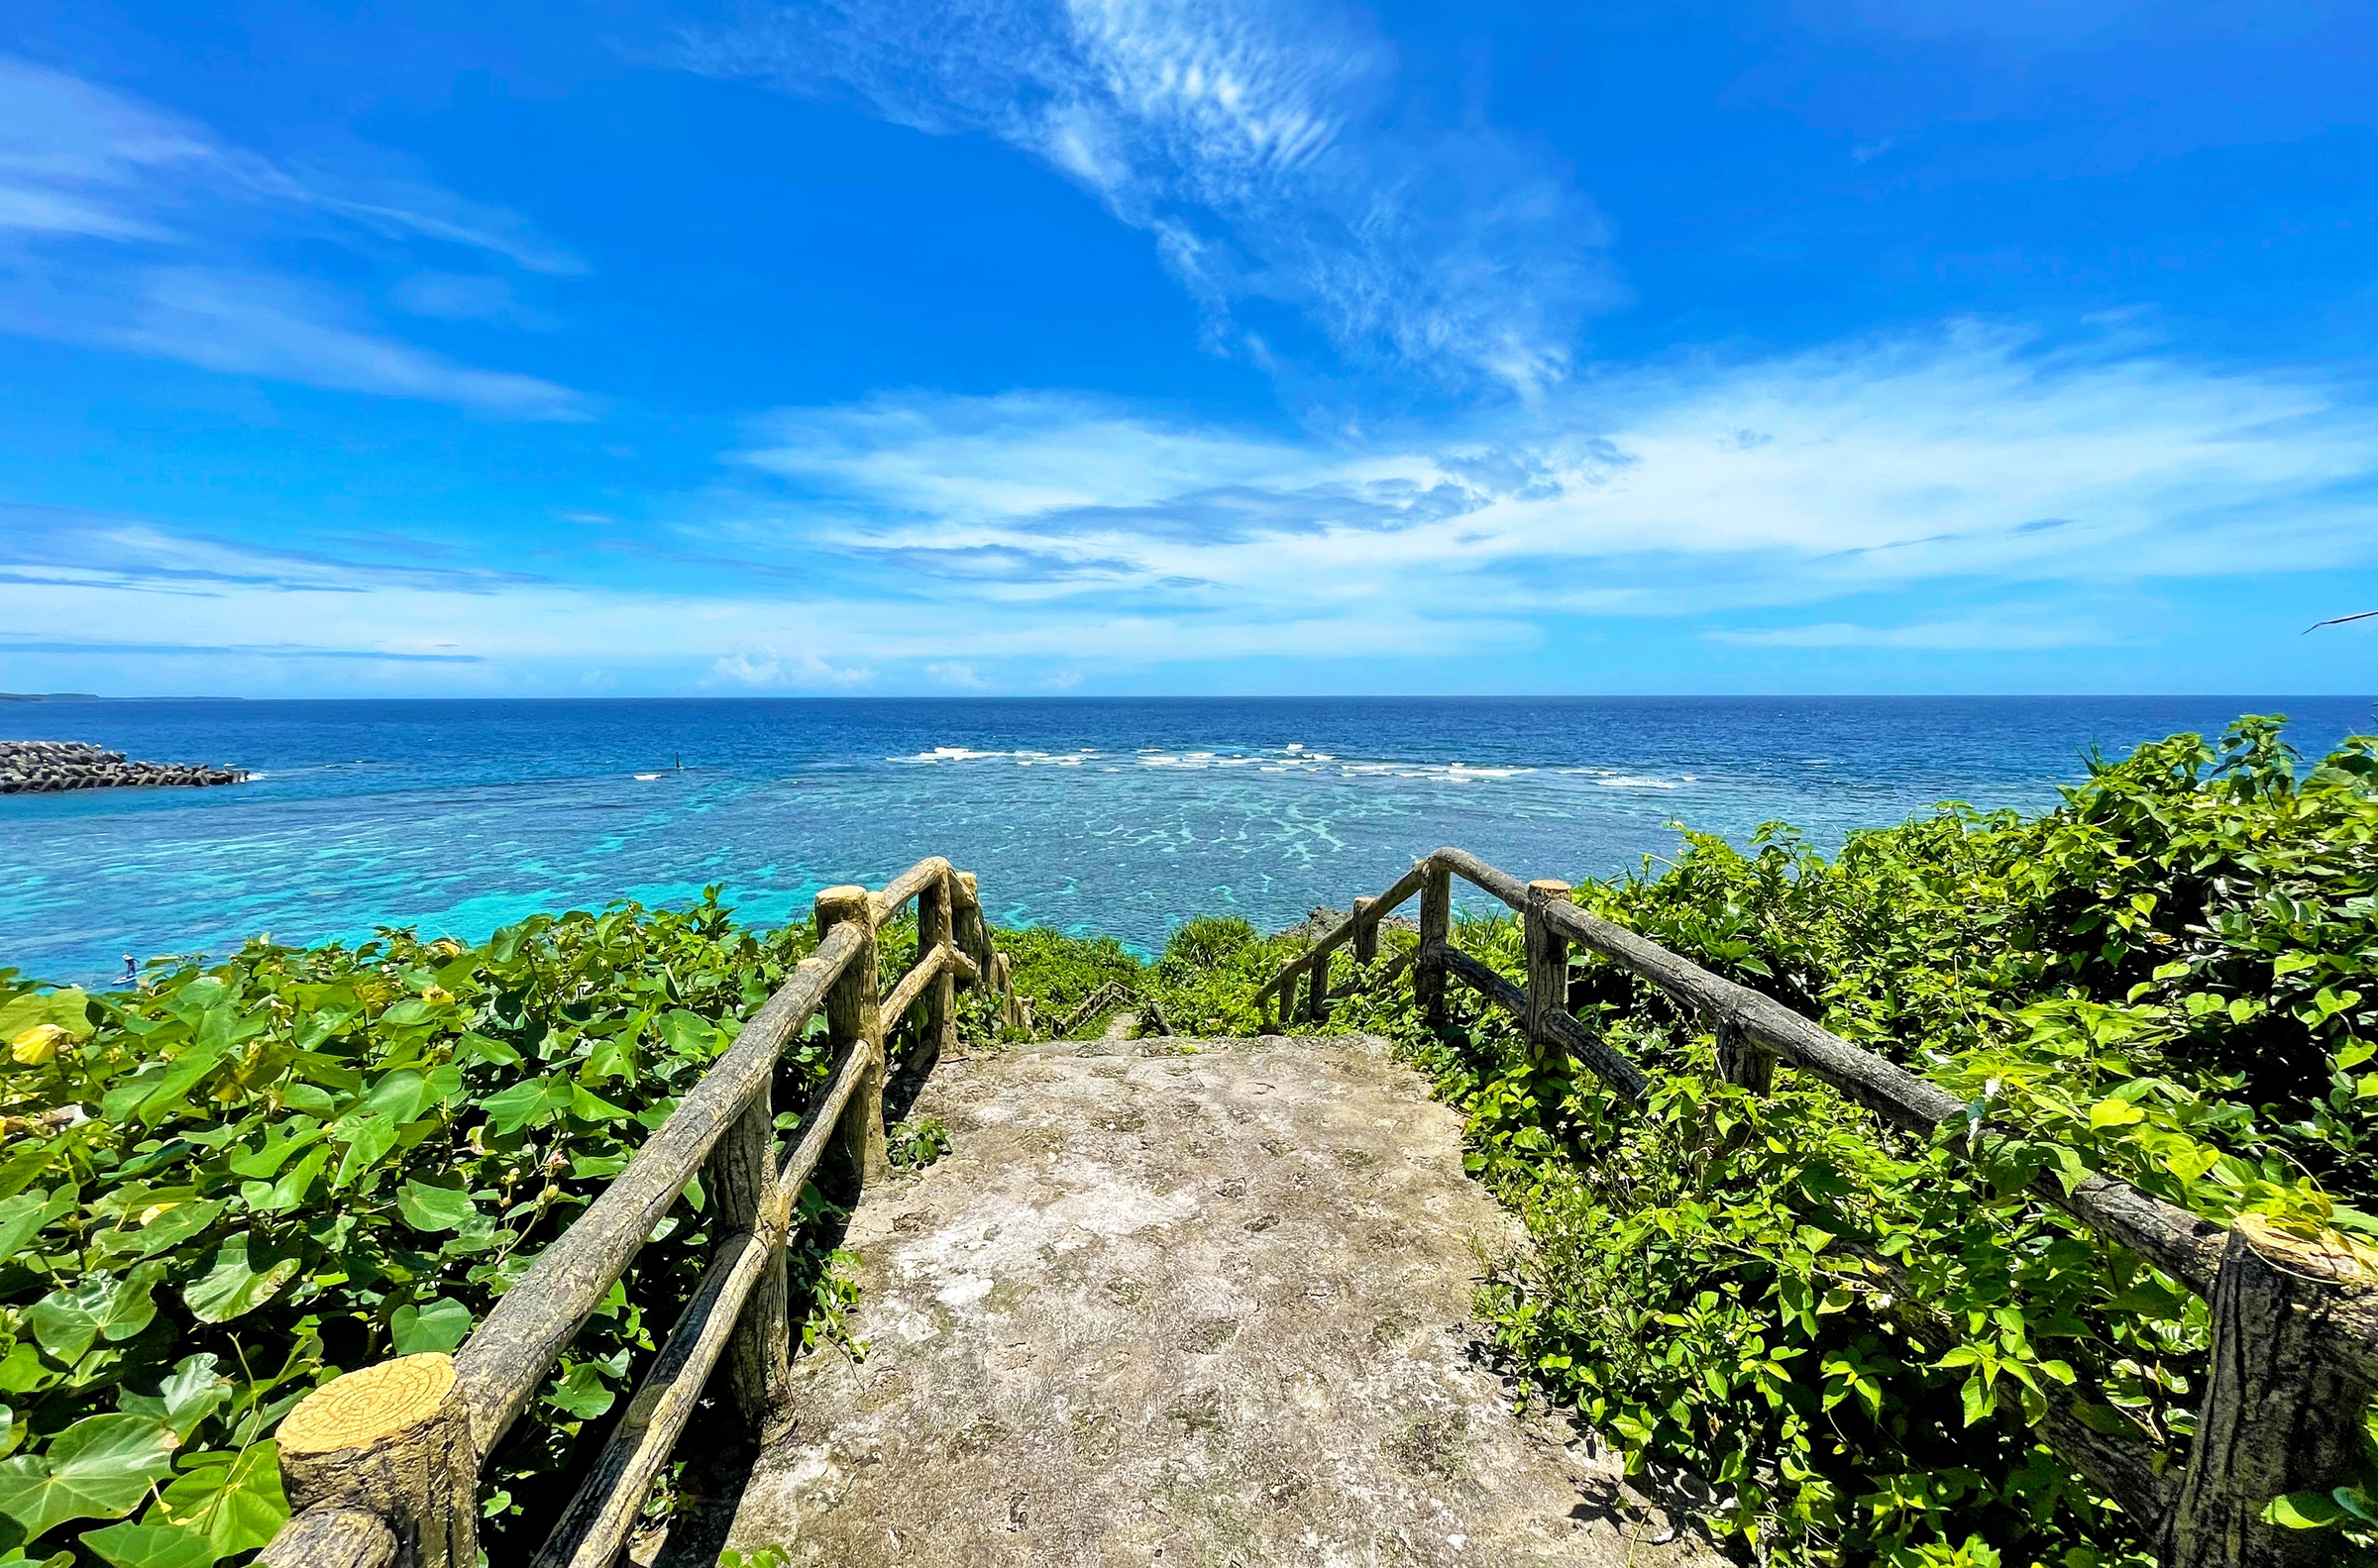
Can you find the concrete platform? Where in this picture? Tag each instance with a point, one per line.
(1181, 1303)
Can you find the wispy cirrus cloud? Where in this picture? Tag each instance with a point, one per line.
(68, 547)
(131, 228)
(1968, 453)
(2003, 634)
(278, 652)
(1266, 148)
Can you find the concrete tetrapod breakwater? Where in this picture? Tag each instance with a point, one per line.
(44, 766)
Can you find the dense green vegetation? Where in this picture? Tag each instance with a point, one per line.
(221, 1190)
(2166, 978)
(224, 1188)
(2169, 979)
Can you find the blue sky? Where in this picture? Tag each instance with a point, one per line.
(622, 348)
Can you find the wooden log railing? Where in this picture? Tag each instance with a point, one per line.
(2295, 1322)
(381, 1466)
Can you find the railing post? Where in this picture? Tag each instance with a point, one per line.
(1436, 931)
(936, 909)
(973, 935)
(741, 1170)
(1547, 967)
(1317, 989)
(392, 1441)
(1743, 1061)
(853, 1018)
(1367, 932)
(2281, 1412)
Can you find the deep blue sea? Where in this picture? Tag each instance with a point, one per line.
(1120, 816)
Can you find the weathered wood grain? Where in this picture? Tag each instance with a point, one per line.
(2280, 1415)
(929, 966)
(854, 1017)
(741, 1178)
(1548, 966)
(1365, 926)
(1436, 939)
(881, 906)
(936, 930)
(332, 1537)
(973, 932)
(1743, 1061)
(592, 1528)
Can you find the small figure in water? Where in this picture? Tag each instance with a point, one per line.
(681, 762)
(132, 972)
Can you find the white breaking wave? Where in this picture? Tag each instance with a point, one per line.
(1293, 758)
(1022, 759)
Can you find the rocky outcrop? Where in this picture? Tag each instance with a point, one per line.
(41, 767)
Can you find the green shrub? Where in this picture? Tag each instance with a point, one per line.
(2166, 977)
(1059, 970)
(225, 1188)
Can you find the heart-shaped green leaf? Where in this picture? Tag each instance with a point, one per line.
(231, 1501)
(244, 1274)
(434, 1209)
(98, 1468)
(106, 1307)
(151, 1546)
(441, 1325)
(182, 1398)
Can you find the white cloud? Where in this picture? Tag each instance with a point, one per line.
(907, 542)
(260, 326)
(1265, 149)
(1964, 451)
(1993, 634)
(120, 232)
(767, 668)
(986, 459)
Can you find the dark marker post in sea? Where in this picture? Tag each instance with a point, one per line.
(44, 767)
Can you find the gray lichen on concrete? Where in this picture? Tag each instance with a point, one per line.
(1182, 1303)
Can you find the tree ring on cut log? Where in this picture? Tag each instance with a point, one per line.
(354, 1410)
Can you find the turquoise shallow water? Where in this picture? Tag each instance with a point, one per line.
(1116, 816)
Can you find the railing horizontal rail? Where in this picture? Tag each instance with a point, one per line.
(333, 1538)
(907, 884)
(912, 985)
(1338, 935)
(2182, 1244)
(1583, 1043)
(389, 1474)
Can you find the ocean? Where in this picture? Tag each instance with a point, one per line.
(1094, 816)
